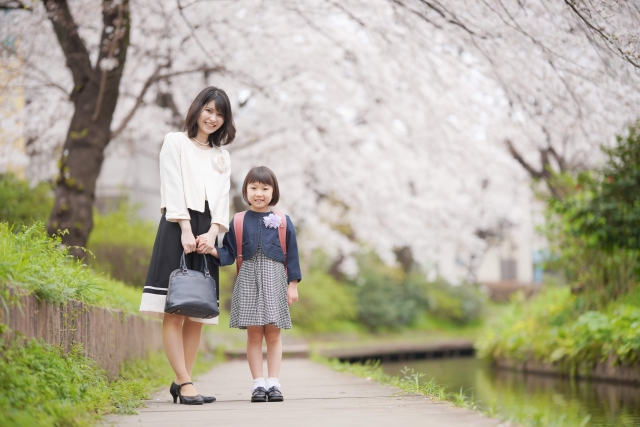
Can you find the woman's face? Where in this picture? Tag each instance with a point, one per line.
(210, 119)
(259, 195)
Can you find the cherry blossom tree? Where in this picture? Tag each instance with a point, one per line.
(401, 126)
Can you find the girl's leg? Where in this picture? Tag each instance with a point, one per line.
(255, 335)
(191, 332)
(174, 348)
(274, 350)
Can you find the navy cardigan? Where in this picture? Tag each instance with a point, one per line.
(255, 231)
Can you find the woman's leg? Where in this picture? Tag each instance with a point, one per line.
(191, 332)
(255, 335)
(174, 348)
(274, 350)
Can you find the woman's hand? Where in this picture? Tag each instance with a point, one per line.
(206, 243)
(292, 292)
(188, 241)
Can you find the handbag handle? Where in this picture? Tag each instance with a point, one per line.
(183, 265)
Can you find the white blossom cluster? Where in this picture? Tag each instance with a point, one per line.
(385, 121)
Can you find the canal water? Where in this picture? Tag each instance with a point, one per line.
(550, 400)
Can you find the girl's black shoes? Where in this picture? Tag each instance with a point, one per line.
(259, 395)
(185, 400)
(274, 395)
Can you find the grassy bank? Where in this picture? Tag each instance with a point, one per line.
(553, 328)
(72, 390)
(36, 263)
(67, 389)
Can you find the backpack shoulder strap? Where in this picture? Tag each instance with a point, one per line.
(238, 227)
(282, 234)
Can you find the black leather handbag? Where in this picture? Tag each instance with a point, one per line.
(192, 293)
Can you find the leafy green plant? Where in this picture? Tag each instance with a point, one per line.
(552, 329)
(122, 244)
(325, 304)
(70, 389)
(390, 299)
(32, 260)
(594, 231)
(21, 204)
(610, 210)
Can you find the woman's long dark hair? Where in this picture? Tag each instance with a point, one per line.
(227, 132)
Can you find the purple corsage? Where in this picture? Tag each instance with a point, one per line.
(272, 221)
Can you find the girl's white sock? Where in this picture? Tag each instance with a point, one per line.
(258, 382)
(272, 382)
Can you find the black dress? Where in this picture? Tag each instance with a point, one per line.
(165, 258)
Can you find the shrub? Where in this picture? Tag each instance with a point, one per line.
(385, 299)
(122, 244)
(36, 262)
(554, 328)
(594, 231)
(20, 204)
(33, 260)
(388, 298)
(610, 208)
(324, 305)
(45, 386)
(459, 304)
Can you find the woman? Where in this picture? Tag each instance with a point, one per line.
(194, 187)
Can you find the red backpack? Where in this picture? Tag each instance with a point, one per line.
(238, 225)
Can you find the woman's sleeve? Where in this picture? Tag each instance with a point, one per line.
(293, 261)
(171, 182)
(221, 214)
(227, 253)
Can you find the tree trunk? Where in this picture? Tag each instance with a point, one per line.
(95, 96)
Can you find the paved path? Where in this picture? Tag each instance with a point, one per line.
(315, 396)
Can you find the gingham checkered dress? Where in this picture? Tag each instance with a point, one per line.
(260, 294)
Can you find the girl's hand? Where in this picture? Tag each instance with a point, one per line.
(206, 244)
(188, 241)
(292, 293)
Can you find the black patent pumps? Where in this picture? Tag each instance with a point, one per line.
(184, 400)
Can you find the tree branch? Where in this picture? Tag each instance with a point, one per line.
(516, 155)
(601, 33)
(155, 77)
(115, 38)
(14, 5)
(72, 45)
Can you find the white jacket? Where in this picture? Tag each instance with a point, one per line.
(189, 176)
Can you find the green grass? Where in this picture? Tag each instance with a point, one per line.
(72, 390)
(554, 328)
(33, 261)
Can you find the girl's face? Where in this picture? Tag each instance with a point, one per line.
(259, 196)
(210, 119)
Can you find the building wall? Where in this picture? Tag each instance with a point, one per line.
(130, 172)
(499, 261)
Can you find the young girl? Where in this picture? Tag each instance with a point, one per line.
(267, 280)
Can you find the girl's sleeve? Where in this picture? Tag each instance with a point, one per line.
(227, 253)
(293, 261)
(171, 182)
(221, 214)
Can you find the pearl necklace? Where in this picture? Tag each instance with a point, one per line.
(200, 143)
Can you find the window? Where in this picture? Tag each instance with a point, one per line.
(508, 269)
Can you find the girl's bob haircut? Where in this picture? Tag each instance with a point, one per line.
(262, 175)
(227, 132)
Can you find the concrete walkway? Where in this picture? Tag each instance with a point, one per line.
(315, 396)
